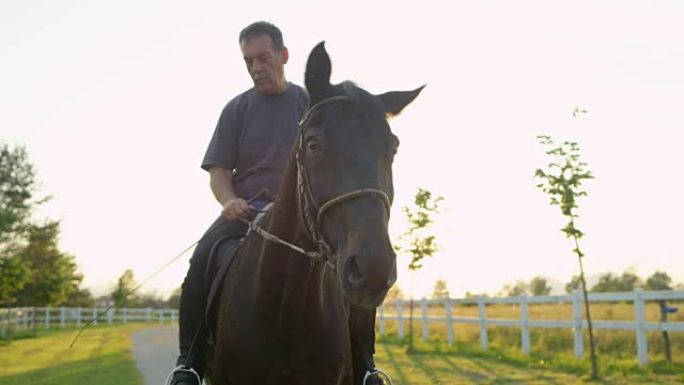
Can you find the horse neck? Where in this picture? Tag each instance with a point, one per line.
(287, 277)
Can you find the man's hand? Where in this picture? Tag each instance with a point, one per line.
(235, 208)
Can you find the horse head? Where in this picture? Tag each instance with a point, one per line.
(344, 161)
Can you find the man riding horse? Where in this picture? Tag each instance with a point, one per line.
(245, 157)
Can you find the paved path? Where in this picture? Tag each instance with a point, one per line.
(155, 351)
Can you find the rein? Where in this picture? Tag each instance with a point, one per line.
(306, 201)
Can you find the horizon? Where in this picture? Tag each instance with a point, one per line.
(116, 103)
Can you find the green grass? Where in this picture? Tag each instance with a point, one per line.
(102, 356)
(436, 363)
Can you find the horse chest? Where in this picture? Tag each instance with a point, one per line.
(295, 354)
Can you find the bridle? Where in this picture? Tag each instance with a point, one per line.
(310, 211)
(306, 201)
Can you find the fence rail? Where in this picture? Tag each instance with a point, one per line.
(394, 312)
(12, 319)
(31, 318)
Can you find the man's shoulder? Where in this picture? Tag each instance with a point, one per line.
(237, 103)
(300, 93)
(299, 90)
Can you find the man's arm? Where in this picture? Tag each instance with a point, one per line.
(221, 183)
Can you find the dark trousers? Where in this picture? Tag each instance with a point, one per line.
(193, 304)
(195, 290)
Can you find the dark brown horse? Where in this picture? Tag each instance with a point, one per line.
(283, 314)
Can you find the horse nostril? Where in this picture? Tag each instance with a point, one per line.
(354, 275)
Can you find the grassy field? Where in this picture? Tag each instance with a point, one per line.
(435, 363)
(103, 357)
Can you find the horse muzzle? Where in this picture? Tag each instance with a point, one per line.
(367, 272)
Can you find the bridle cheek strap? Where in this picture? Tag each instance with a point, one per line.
(305, 196)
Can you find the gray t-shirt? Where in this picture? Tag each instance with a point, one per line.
(254, 137)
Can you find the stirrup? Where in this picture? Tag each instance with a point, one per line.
(383, 376)
(182, 368)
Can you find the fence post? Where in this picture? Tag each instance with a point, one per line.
(17, 319)
(483, 322)
(524, 329)
(642, 343)
(110, 315)
(400, 318)
(161, 316)
(95, 315)
(47, 317)
(25, 315)
(450, 322)
(125, 315)
(3, 318)
(78, 316)
(149, 315)
(577, 318)
(381, 310)
(62, 317)
(424, 309)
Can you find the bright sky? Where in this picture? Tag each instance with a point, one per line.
(116, 102)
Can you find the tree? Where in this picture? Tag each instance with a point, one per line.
(17, 194)
(607, 283)
(80, 298)
(574, 284)
(17, 190)
(562, 182)
(416, 241)
(515, 289)
(173, 301)
(658, 281)
(13, 277)
(121, 295)
(539, 286)
(611, 283)
(629, 281)
(33, 271)
(150, 299)
(53, 275)
(440, 290)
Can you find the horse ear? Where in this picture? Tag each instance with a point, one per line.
(395, 101)
(317, 77)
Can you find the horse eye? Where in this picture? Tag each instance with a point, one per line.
(312, 145)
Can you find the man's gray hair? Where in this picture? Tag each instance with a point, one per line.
(263, 27)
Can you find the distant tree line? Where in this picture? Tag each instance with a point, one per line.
(33, 269)
(607, 283)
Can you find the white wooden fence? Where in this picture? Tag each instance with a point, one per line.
(12, 319)
(576, 324)
(25, 318)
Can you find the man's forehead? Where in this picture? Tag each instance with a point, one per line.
(257, 44)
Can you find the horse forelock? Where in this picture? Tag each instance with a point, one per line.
(362, 100)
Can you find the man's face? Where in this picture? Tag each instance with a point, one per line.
(265, 65)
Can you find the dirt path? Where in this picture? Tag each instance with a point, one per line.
(155, 350)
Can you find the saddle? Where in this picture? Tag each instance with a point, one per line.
(220, 259)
